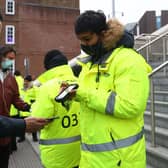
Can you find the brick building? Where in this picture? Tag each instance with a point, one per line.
(149, 22)
(164, 17)
(35, 26)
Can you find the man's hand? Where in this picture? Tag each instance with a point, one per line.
(34, 124)
(67, 92)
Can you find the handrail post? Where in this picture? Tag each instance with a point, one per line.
(147, 51)
(164, 54)
(153, 138)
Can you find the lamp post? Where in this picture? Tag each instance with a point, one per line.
(113, 8)
(26, 64)
(114, 12)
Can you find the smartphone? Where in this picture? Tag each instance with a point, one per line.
(64, 93)
(52, 118)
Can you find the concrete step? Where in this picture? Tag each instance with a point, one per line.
(160, 80)
(161, 86)
(149, 166)
(160, 133)
(161, 106)
(161, 73)
(161, 95)
(160, 121)
(155, 64)
(157, 157)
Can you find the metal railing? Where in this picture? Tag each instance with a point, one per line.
(144, 35)
(153, 126)
(148, 45)
(163, 65)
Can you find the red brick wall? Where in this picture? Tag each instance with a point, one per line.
(147, 23)
(64, 3)
(39, 29)
(164, 17)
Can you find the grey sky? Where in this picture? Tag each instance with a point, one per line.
(132, 9)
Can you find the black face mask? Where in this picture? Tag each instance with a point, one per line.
(96, 51)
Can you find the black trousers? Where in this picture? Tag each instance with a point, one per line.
(13, 138)
(4, 156)
(22, 137)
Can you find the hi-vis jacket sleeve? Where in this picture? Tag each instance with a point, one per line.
(43, 106)
(129, 96)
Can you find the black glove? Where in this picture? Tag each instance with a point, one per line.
(32, 101)
(27, 107)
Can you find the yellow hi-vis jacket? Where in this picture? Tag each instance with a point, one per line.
(60, 139)
(46, 76)
(29, 96)
(14, 111)
(20, 81)
(113, 98)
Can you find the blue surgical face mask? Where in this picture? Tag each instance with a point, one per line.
(6, 64)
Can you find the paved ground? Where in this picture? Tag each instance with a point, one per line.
(27, 155)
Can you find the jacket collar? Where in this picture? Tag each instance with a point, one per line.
(3, 75)
(52, 73)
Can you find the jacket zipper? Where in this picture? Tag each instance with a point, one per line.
(119, 162)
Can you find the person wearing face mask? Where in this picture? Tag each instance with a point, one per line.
(9, 95)
(10, 126)
(113, 92)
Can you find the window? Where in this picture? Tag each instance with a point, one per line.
(158, 22)
(10, 34)
(10, 7)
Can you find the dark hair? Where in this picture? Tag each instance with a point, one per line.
(1, 18)
(5, 50)
(28, 78)
(17, 73)
(91, 21)
(54, 58)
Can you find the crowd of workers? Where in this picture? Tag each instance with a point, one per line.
(99, 123)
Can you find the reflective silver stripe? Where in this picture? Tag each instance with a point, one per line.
(84, 59)
(59, 141)
(113, 145)
(110, 104)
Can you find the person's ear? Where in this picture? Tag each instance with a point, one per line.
(102, 33)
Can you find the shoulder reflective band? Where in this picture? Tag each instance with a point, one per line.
(84, 59)
(110, 104)
(59, 141)
(113, 145)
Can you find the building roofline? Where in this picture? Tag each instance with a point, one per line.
(48, 6)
